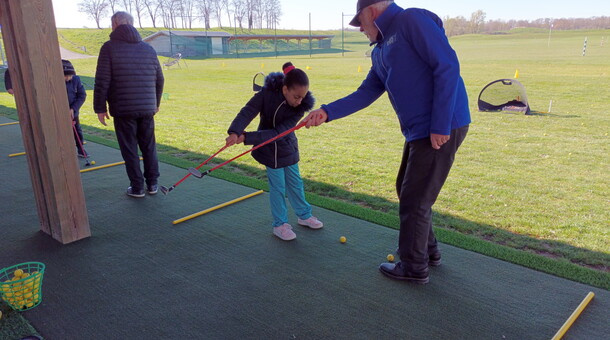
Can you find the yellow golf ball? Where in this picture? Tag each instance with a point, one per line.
(92, 162)
(390, 257)
(342, 239)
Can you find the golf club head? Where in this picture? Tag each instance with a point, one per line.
(165, 190)
(195, 172)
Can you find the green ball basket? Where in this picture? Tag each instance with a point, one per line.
(21, 285)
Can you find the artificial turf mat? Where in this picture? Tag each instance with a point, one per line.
(224, 276)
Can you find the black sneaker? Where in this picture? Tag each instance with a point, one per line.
(434, 260)
(397, 272)
(135, 193)
(152, 189)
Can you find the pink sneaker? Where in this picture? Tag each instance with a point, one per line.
(311, 222)
(284, 232)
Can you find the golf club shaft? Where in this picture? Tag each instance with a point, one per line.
(82, 148)
(258, 146)
(199, 166)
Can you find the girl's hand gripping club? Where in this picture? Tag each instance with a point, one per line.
(195, 172)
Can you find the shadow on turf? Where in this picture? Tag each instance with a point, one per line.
(549, 256)
(548, 114)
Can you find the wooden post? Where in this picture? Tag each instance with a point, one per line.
(32, 48)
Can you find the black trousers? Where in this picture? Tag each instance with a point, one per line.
(78, 135)
(421, 176)
(132, 133)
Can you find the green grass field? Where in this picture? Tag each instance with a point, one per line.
(536, 183)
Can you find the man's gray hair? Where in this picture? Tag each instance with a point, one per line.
(382, 5)
(121, 18)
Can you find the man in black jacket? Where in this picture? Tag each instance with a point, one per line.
(129, 78)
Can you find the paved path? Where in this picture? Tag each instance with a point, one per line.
(67, 54)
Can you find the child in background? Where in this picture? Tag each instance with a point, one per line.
(76, 99)
(282, 102)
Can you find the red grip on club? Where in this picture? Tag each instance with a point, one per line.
(300, 125)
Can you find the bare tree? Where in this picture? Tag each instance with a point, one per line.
(218, 9)
(250, 13)
(127, 5)
(113, 5)
(239, 11)
(225, 5)
(152, 7)
(188, 12)
(477, 21)
(272, 12)
(205, 9)
(95, 9)
(138, 6)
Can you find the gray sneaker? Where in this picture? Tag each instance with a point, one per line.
(152, 189)
(135, 193)
(284, 232)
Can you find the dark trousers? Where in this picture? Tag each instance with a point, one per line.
(131, 133)
(78, 136)
(421, 176)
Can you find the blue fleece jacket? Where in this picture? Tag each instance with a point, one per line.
(415, 64)
(76, 94)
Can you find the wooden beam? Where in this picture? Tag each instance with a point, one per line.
(32, 49)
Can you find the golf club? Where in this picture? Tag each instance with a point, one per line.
(258, 82)
(165, 190)
(198, 174)
(80, 143)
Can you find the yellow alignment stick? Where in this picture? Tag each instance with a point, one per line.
(216, 207)
(13, 123)
(104, 166)
(562, 331)
(17, 154)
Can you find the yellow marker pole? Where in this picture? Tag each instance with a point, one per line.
(203, 212)
(562, 331)
(17, 154)
(104, 166)
(13, 123)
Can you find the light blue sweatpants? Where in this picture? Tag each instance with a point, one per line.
(287, 182)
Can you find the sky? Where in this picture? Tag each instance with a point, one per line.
(327, 14)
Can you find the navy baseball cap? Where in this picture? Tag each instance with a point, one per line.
(362, 4)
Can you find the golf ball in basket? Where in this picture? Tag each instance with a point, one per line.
(342, 239)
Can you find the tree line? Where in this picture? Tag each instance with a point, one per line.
(477, 24)
(248, 14)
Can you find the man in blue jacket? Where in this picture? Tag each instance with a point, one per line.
(130, 79)
(413, 62)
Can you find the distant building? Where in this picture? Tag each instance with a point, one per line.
(209, 44)
(189, 43)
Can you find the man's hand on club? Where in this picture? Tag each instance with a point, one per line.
(102, 117)
(235, 139)
(438, 140)
(315, 118)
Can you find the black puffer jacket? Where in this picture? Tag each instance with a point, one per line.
(128, 76)
(276, 117)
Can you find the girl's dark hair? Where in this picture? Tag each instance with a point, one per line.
(294, 76)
